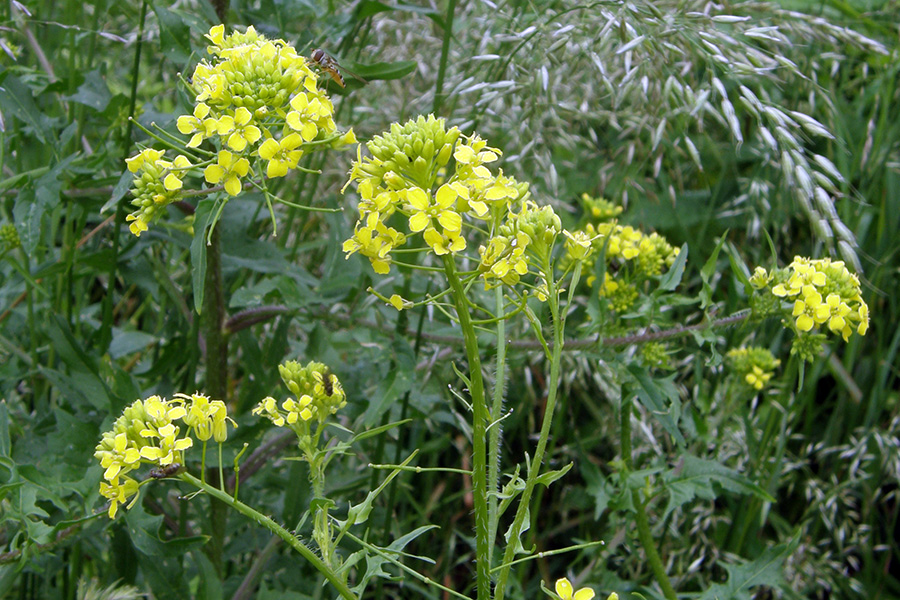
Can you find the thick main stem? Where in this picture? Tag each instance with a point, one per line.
(535, 466)
(479, 429)
(641, 520)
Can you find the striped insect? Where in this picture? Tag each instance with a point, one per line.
(328, 65)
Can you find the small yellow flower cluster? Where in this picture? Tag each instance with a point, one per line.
(318, 394)
(256, 99)
(824, 292)
(529, 233)
(599, 209)
(635, 255)
(9, 238)
(753, 364)
(403, 180)
(146, 433)
(158, 184)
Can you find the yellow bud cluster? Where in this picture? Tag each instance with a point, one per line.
(753, 365)
(432, 181)
(318, 394)
(255, 100)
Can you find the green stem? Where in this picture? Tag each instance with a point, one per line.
(535, 466)
(494, 433)
(216, 374)
(445, 53)
(479, 428)
(641, 520)
(275, 528)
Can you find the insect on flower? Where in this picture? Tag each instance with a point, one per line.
(329, 65)
(166, 471)
(327, 383)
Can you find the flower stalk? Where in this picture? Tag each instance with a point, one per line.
(479, 431)
(275, 528)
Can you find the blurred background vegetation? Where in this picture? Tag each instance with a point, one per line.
(748, 120)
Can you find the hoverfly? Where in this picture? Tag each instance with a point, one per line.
(166, 471)
(327, 383)
(329, 65)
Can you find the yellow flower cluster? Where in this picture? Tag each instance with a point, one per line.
(599, 209)
(753, 364)
(146, 433)
(257, 100)
(526, 234)
(404, 184)
(158, 184)
(318, 394)
(824, 292)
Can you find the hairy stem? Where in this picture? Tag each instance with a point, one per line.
(535, 466)
(479, 429)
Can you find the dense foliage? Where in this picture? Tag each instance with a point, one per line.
(638, 180)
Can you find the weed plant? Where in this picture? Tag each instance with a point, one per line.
(654, 418)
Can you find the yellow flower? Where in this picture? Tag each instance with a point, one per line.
(243, 130)
(805, 310)
(565, 591)
(227, 170)
(196, 124)
(282, 156)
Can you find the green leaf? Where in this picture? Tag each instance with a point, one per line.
(763, 570)
(17, 100)
(672, 277)
(93, 92)
(377, 430)
(210, 584)
(706, 274)
(660, 397)
(174, 35)
(202, 218)
(382, 70)
(549, 477)
(695, 478)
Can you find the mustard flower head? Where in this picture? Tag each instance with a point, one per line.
(9, 238)
(599, 209)
(157, 184)
(620, 293)
(823, 294)
(753, 365)
(318, 394)
(429, 180)
(636, 255)
(147, 432)
(206, 418)
(525, 237)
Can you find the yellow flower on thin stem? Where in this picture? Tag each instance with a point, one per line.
(195, 124)
(282, 156)
(227, 170)
(565, 591)
(244, 132)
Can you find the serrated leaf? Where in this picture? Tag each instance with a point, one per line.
(695, 477)
(763, 570)
(17, 100)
